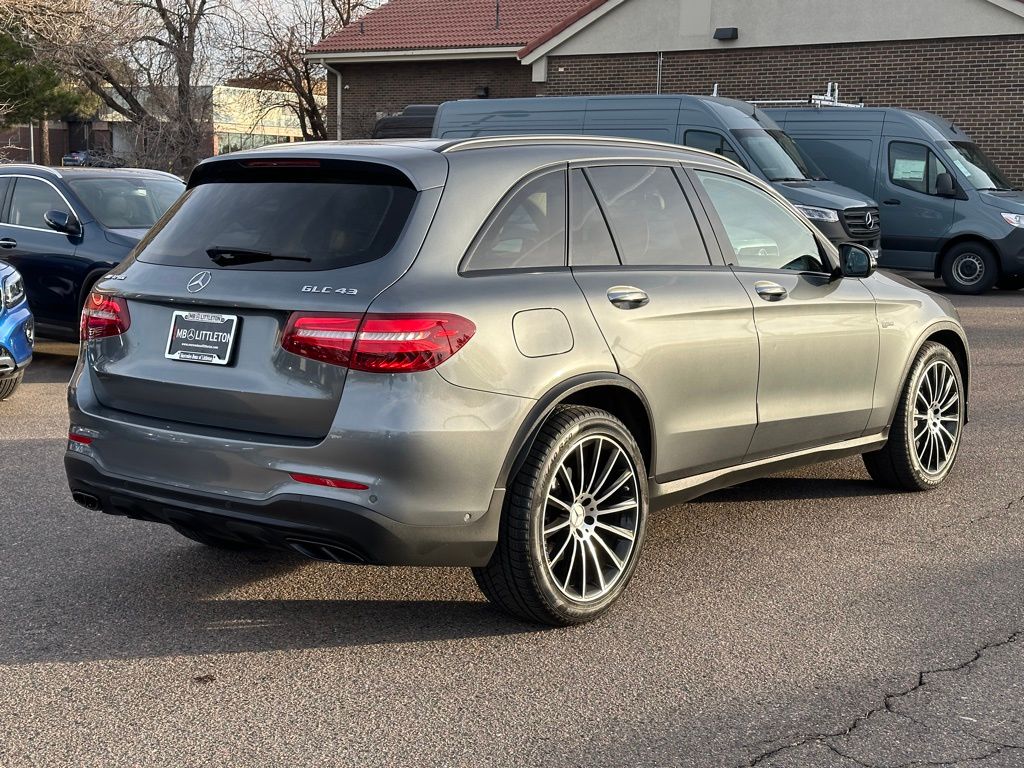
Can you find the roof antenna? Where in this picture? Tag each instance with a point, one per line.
(497, 14)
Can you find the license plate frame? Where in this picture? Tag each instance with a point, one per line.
(200, 348)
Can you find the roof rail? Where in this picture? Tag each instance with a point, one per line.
(34, 167)
(460, 145)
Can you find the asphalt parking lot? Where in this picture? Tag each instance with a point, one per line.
(809, 619)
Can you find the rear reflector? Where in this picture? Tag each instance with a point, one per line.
(378, 343)
(328, 482)
(104, 316)
(74, 437)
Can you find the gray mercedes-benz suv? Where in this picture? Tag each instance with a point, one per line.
(499, 353)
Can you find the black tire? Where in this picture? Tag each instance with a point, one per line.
(215, 542)
(1014, 283)
(970, 267)
(897, 464)
(8, 385)
(520, 577)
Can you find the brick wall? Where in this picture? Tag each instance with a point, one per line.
(976, 82)
(386, 88)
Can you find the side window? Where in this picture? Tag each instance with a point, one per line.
(528, 230)
(32, 198)
(649, 215)
(711, 142)
(914, 166)
(762, 233)
(590, 242)
(5, 183)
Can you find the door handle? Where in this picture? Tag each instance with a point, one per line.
(7, 242)
(627, 297)
(891, 202)
(770, 291)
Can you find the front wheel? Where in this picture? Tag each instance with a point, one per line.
(925, 435)
(574, 523)
(8, 385)
(970, 267)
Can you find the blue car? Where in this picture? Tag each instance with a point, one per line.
(64, 228)
(17, 331)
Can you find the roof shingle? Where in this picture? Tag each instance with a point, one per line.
(431, 24)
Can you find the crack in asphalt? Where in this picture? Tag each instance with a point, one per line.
(888, 705)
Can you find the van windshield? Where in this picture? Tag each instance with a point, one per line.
(777, 155)
(974, 164)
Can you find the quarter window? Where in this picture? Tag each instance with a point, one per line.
(528, 230)
(649, 215)
(762, 233)
(710, 142)
(590, 242)
(32, 198)
(915, 167)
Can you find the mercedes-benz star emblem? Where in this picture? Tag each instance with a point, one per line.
(869, 220)
(199, 281)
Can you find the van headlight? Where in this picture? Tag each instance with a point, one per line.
(13, 290)
(1014, 219)
(818, 214)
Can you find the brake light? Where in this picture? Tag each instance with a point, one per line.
(376, 342)
(104, 316)
(281, 163)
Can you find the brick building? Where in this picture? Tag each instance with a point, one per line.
(962, 59)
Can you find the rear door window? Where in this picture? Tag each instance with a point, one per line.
(282, 221)
(31, 200)
(527, 231)
(590, 242)
(649, 216)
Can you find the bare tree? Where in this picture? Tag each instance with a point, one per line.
(146, 60)
(271, 39)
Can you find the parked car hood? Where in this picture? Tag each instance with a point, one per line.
(826, 194)
(1012, 202)
(126, 237)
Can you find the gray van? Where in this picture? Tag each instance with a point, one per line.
(947, 208)
(734, 129)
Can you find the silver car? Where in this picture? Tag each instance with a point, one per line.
(501, 353)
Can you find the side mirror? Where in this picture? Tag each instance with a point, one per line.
(944, 185)
(856, 260)
(63, 222)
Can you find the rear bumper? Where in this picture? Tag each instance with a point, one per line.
(324, 529)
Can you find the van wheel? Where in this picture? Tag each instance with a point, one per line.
(8, 385)
(925, 435)
(970, 267)
(574, 523)
(1014, 283)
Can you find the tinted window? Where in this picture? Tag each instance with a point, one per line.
(762, 233)
(914, 166)
(33, 198)
(711, 142)
(651, 220)
(528, 229)
(590, 242)
(127, 203)
(5, 183)
(303, 225)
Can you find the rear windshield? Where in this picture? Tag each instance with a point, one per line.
(281, 224)
(127, 203)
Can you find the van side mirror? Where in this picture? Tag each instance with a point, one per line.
(63, 222)
(855, 260)
(944, 186)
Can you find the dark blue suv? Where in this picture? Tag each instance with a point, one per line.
(65, 228)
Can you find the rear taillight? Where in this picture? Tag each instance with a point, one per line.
(104, 316)
(378, 343)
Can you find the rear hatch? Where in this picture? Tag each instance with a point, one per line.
(210, 291)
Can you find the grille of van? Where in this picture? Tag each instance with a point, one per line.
(857, 222)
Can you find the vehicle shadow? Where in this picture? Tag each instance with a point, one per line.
(784, 488)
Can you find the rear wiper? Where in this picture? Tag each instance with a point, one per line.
(228, 257)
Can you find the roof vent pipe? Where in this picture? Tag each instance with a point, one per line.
(497, 14)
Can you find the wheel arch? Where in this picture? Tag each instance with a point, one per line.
(956, 240)
(951, 336)
(610, 392)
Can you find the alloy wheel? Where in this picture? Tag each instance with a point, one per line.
(591, 518)
(937, 417)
